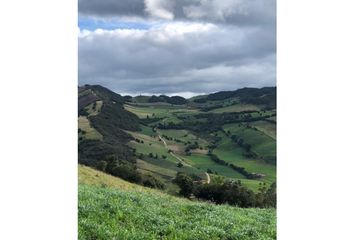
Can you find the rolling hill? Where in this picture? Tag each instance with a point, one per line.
(139, 155)
(111, 208)
(149, 139)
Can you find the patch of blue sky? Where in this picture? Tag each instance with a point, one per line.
(93, 24)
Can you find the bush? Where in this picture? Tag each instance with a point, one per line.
(125, 171)
(102, 165)
(185, 183)
(152, 182)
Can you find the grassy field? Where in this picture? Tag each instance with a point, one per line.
(231, 153)
(150, 145)
(147, 130)
(266, 127)
(110, 208)
(168, 113)
(183, 135)
(89, 176)
(261, 143)
(142, 111)
(93, 111)
(236, 108)
(91, 133)
(204, 162)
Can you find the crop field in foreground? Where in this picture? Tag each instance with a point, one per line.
(110, 208)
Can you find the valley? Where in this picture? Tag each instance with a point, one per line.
(150, 139)
(163, 134)
(159, 167)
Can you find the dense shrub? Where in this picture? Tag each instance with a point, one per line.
(185, 182)
(152, 182)
(102, 165)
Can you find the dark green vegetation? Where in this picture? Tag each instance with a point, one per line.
(111, 208)
(111, 153)
(230, 192)
(148, 140)
(264, 96)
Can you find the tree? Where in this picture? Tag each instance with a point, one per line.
(127, 173)
(152, 182)
(102, 165)
(185, 183)
(271, 196)
(179, 164)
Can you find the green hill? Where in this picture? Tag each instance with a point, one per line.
(149, 140)
(111, 208)
(102, 137)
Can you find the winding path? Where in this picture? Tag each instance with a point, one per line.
(174, 155)
(208, 177)
(181, 160)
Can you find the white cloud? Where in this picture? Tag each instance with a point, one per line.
(215, 9)
(159, 8)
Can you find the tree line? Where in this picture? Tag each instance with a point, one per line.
(220, 191)
(240, 170)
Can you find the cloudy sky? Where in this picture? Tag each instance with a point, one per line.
(187, 47)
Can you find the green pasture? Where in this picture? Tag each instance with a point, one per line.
(232, 153)
(203, 162)
(93, 111)
(261, 144)
(91, 133)
(266, 127)
(236, 108)
(183, 135)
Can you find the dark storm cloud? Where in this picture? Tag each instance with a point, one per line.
(177, 57)
(111, 8)
(241, 12)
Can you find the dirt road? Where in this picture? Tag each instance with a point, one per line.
(181, 160)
